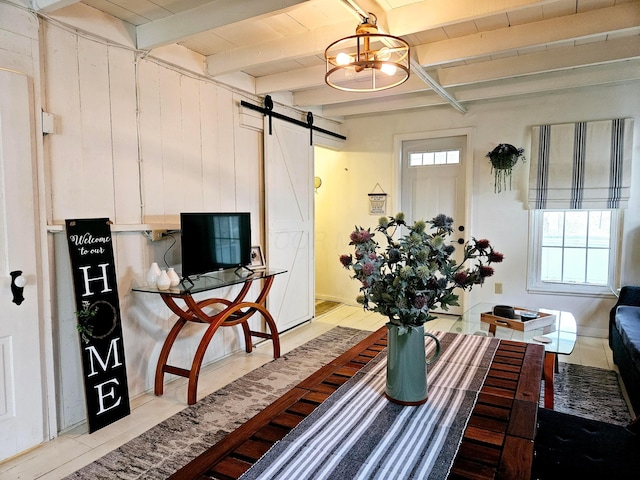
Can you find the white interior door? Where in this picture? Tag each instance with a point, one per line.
(21, 393)
(434, 182)
(288, 160)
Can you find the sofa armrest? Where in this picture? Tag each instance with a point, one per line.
(629, 295)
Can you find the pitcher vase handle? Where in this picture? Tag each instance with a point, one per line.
(435, 356)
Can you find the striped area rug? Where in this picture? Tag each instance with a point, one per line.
(358, 433)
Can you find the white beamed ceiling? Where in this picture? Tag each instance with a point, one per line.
(475, 49)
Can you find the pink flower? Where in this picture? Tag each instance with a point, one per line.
(346, 260)
(365, 236)
(368, 268)
(360, 236)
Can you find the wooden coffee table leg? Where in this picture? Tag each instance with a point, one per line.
(549, 368)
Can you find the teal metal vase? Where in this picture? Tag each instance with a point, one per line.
(407, 365)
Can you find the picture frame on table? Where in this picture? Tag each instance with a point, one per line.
(257, 259)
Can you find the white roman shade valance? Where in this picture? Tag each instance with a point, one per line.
(581, 165)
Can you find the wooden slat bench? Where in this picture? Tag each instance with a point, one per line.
(497, 443)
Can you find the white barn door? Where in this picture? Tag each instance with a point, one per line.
(288, 162)
(21, 396)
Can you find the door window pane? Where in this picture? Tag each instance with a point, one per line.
(436, 157)
(415, 159)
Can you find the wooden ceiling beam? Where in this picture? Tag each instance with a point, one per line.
(554, 30)
(618, 73)
(425, 15)
(206, 17)
(556, 59)
(291, 47)
(48, 6)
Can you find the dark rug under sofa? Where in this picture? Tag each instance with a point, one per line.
(568, 446)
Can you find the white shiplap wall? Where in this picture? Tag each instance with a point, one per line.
(112, 108)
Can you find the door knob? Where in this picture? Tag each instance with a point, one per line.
(18, 281)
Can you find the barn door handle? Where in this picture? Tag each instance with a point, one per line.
(18, 281)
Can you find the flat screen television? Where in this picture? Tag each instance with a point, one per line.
(214, 241)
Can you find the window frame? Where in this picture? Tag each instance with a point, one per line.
(536, 285)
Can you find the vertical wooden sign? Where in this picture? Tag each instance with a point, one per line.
(98, 315)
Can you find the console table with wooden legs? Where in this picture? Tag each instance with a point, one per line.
(234, 312)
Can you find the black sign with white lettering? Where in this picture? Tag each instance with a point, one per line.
(98, 317)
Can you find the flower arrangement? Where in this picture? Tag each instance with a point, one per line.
(416, 272)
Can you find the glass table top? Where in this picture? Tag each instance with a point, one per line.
(211, 281)
(562, 333)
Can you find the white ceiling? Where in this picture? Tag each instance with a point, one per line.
(474, 49)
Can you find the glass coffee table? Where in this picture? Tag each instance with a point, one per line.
(558, 338)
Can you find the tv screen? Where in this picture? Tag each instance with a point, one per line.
(214, 241)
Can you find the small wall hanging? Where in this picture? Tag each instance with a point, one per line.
(377, 201)
(502, 159)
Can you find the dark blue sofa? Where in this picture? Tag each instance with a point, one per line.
(624, 340)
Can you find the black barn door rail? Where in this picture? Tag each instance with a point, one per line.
(268, 110)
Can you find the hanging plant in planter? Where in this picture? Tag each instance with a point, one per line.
(502, 159)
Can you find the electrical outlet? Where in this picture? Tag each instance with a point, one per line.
(157, 235)
(498, 287)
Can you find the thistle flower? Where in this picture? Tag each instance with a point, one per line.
(346, 260)
(495, 257)
(422, 255)
(461, 277)
(406, 272)
(482, 244)
(423, 272)
(394, 255)
(360, 236)
(368, 268)
(419, 302)
(414, 239)
(442, 221)
(420, 226)
(485, 271)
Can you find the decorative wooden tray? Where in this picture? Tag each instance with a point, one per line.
(543, 320)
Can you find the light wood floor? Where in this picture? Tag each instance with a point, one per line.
(73, 449)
